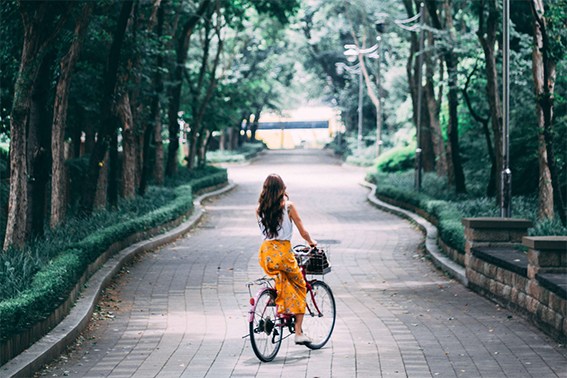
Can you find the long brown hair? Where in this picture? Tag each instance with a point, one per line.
(271, 204)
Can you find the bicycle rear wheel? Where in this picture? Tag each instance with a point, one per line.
(320, 314)
(265, 336)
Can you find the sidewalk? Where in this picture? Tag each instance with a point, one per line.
(182, 310)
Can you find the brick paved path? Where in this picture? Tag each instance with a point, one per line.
(181, 311)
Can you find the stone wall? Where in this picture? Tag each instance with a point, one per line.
(531, 283)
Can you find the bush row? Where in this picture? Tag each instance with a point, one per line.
(440, 201)
(447, 214)
(245, 152)
(49, 287)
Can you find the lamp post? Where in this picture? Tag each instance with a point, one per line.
(414, 28)
(506, 176)
(352, 52)
(379, 108)
(355, 69)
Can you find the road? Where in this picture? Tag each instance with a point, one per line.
(181, 311)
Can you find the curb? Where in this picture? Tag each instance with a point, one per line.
(52, 344)
(430, 231)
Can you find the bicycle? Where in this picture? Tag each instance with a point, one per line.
(266, 326)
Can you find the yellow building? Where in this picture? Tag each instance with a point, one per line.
(305, 127)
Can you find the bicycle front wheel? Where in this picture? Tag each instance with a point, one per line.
(265, 336)
(320, 314)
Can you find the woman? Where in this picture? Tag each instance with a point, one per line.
(276, 217)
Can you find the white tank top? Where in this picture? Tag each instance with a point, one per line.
(286, 230)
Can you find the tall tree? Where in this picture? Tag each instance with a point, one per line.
(546, 52)
(488, 15)
(176, 77)
(68, 63)
(361, 45)
(108, 124)
(153, 127)
(412, 68)
(42, 22)
(433, 105)
(456, 175)
(38, 146)
(200, 100)
(491, 188)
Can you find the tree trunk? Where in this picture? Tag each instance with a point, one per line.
(545, 202)
(107, 129)
(487, 36)
(230, 131)
(158, 145)
(89, 134)
(254, 126)
(129, 151)
(175, 94)
(427, 154)
(29, 65)
(491, 188)
(544, 73)
(204, 141)
(196, 125)
(113, 171)
(456, 175)
(68, 62)
(155, 109)
(101, 194)
(222, 143)
(37, 149)
(432, 107)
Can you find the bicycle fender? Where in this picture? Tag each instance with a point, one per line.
(253, 307)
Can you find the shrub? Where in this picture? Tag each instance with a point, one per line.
(397, 159)
(440, 201)
(50, 276)
(245, 152)
(361, 161)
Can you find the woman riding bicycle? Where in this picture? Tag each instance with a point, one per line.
(275, 217)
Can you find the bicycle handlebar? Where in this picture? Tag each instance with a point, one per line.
(303, 250)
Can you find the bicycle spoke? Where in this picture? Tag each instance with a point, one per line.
(320, 315)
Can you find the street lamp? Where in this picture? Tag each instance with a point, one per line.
(506, 175)
(355, 69)
(414, 28)
(352, 53)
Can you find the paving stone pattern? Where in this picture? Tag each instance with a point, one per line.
(181, 311)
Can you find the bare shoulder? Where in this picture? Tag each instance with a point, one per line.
(290, 207)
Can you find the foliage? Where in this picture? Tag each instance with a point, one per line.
(245, 152)
(397, 159)
(439, 201)
(34, 282)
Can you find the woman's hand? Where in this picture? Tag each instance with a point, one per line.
(313, 243)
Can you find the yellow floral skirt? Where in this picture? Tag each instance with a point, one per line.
(278, 261)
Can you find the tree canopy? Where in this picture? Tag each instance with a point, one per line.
(114, 88)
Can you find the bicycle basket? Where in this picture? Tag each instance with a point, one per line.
(318, 263)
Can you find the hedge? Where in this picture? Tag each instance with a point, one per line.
(447, 214)
(245, 152)
(50, 285)
(397, 159)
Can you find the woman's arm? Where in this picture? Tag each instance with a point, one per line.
(294, 216)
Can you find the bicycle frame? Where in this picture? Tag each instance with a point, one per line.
(287, 318)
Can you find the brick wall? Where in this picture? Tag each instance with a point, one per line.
(532, 283)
